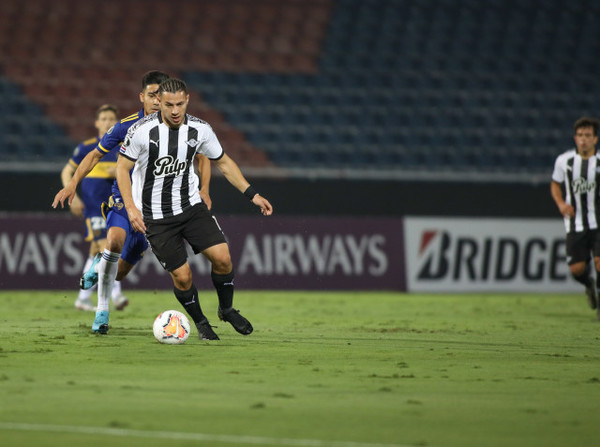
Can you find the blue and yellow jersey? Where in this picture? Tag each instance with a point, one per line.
(96, 186)
(111, 141)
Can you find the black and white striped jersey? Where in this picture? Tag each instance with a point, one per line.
(580, 179)
(164, 183)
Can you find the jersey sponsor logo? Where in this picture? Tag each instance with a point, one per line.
(169, 166)
(582, 186)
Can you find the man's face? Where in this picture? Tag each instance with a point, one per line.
(585, 140)
(149, 97)
(105, 121)
(173, 107)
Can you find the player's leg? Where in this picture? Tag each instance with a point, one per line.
(168, 247)
(222, 278)
(596, 253)
(578, 254)
(84, 297)
(203, 233)
(118, 228)
(132, 252)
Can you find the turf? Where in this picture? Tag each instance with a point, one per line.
(321, 369)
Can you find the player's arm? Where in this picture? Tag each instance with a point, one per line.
(556, 191)
(65, 176)
(124, 166)
(84, 168)
(232, 173)
(204, 171)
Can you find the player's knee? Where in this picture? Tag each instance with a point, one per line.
(222, 264)
(182, 277)
(578, 269)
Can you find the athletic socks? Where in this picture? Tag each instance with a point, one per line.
(224, 286)
(189, 301)
(107, 272)
(116, 290)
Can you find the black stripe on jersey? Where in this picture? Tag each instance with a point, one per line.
(569, 187)
(583, 196)
(185, 184)
(149, 178)
(166, 200)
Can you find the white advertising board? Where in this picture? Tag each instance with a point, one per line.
(477, 254)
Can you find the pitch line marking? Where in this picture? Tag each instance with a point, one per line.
(232, 439)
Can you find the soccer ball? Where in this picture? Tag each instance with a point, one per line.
(171, 327)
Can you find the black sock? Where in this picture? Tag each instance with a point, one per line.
(189, 301)
(224, 286)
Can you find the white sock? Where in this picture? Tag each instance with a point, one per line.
(116, 291)
(107, 272)
(85, 295)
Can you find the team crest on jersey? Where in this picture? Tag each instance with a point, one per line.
(167, 166)
(109, 131)
(193, 143)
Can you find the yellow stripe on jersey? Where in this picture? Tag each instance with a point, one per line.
(106, 151)
(89, 141)
(130, 117)
(104, 169)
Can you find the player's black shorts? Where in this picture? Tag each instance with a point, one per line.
(581, 244)
(197, 226)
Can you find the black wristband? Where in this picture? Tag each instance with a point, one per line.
(250, 192)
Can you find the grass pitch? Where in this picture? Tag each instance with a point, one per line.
(321, 369)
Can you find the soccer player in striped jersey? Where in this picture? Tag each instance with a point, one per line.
(124, 247)
(161, 198)
(577, 172)
(95, 189)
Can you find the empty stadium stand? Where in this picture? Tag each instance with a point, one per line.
(446, 86)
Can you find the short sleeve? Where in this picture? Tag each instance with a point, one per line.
(558, 175)
(131, 146)
(210, 146)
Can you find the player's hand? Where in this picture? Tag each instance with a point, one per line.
(265, 207)
(77, 207)
(67, 193)
(136, 219)
(206, 198)
(567, 210)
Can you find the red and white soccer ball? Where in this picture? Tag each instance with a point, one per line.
(171, 327)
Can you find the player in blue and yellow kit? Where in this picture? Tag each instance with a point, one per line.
(124, 246)
(95, 189)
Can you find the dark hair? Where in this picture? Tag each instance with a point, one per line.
(107, 108)
(172, 85)
(587, 121)
(153, 77)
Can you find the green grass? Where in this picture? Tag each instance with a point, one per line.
(321, 369)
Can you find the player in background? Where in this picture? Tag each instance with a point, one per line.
(577, 172)
(95, 189)
(124, 247)
(162, 200)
